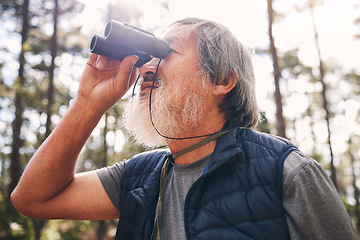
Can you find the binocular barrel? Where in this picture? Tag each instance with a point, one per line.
(122, 40)
(101, 46)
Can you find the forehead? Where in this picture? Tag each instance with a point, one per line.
(179, 34)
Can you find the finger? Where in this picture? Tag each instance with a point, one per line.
(92, 59)
(113, 63)
(132, 77)
(101, 62)
(126, 71)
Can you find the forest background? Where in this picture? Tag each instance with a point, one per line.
(306, 56)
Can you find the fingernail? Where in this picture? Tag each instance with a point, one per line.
(135, 59)
(100, 65)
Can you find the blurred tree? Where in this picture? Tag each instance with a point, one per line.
(12, 11)
(31, 93)
(15, 167)
(280, 121)
(104, 147)
(102, 225)
(353, 78)
(312, 4)
(11, 219)
(53, 53)
(264, 125)
(357, 22)
(295, 69)
(39, 224)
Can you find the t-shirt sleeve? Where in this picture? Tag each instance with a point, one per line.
(313, 207)
(111, 178)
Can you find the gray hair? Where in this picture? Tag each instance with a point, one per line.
(221, 55)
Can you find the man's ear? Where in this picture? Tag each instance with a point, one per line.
(225, 86)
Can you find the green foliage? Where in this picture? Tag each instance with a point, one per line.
(73, 47)
(34, 94)
(13, 225)
(353, 77)
(10, 8)
(264, 125)
(70, 230)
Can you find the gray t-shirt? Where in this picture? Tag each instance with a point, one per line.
(312, 205)
(178, 182)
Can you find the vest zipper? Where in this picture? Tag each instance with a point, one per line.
(148, 212)
(196, 183)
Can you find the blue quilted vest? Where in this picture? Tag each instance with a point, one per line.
(238, 196)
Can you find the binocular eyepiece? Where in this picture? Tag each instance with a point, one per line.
(122, 39)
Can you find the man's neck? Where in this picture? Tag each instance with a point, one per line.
(198, 153)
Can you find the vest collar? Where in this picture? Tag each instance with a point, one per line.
(226, 147)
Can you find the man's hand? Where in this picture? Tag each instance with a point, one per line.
(105, 81)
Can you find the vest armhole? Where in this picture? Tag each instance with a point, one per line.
(279, 171)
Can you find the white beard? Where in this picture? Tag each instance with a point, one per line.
(174, 111)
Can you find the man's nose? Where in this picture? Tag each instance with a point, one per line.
(149, 66)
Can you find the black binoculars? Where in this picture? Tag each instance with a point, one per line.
(122, 39)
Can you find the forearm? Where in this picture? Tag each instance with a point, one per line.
(52, 167)
(48, 187)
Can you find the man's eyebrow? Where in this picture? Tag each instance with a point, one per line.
(171, 40)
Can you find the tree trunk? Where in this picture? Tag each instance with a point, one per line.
(324, 98)
(53, 50)
(15, 166)
(280, 121)
(102, 228)
(309, 112)
(38, 225)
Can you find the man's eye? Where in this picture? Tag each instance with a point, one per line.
(171, 53)
(174, 51)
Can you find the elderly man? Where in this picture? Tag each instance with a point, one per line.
(221, 180)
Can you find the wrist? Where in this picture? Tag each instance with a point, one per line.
(84, 106)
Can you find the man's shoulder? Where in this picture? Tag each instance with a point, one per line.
(150, 155)
(295, 163)
(260, 142)
(144, 162)
(261, 137)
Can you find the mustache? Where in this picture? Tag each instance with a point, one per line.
(150, 77)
